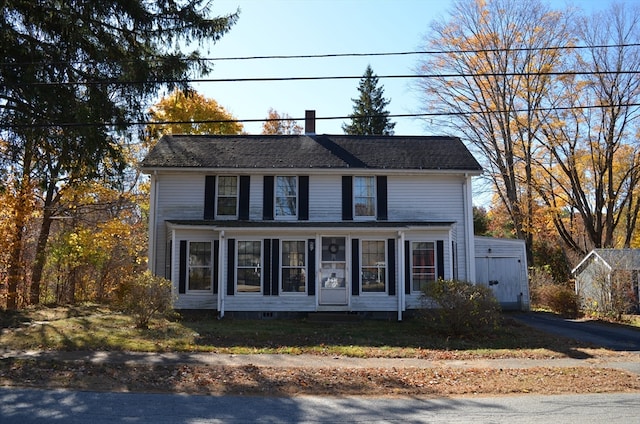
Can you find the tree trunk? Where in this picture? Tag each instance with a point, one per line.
(41, 247)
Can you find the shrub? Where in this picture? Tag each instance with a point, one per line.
(145, 296)
(559, 298)
(463, 308)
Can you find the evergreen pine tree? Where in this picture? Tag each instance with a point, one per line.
(369, 116)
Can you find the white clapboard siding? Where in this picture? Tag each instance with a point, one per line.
(283, 303)
(325, 197)
(429, 197)
(426, 197)
(195, 301)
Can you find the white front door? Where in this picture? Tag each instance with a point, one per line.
(333, 266)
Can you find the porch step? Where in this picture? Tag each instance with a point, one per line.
(333, 317)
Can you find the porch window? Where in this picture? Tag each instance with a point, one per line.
(286, 197)
(294, 279)
(227, 202)
(364, 197)
(200, 266)
(249, 270)
(374, 267)
(423, 264)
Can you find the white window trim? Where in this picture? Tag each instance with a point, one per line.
(386, 268)
(260, 266)
(275, 200)
(227, 217)
(187, 277)
(375, 200)
(306, 263)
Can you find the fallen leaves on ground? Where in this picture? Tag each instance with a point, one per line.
(272, 381)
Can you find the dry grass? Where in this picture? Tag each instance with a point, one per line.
(96, 327)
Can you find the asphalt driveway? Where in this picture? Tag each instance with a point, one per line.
(610, 336)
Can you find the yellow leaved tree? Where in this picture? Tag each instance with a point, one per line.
(190, 113)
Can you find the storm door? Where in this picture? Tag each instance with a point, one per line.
(333, 281)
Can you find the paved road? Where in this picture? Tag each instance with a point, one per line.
(615, 337)
(69, 407)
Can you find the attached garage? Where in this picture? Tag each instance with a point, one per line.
(501, 264)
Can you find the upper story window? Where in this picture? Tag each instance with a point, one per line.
(200, 266)
(286, 197)
(423, 264)
(364, 197)
(227, 202)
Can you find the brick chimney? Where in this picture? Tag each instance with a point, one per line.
(310, 122)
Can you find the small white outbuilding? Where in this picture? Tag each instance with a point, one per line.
(501, 264)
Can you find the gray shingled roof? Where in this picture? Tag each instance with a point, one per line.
(626, 259)
(310, 151)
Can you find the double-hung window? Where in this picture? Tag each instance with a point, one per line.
(293, 263)
(200, 266)
(227, 202)
(423, 264)
(286, 197)
(373, 266)
(364, 197)
(249, 269)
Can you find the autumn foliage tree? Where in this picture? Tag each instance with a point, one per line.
(589, 172)
(74, 74)
(280, 124)
(496, 50)
(189, 112)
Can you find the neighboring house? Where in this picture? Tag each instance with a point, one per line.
(605, 273)
(307, 223)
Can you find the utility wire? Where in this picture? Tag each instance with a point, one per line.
(324, 78)
(326, 118)
(341, 55)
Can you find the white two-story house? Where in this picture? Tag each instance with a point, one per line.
(308, 223)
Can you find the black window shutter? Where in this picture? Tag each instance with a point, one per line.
(311, 268)
(355, 267)
(231, 266)
(440, 258)
(303, 198)
(243, 213)
(267, 202)
(391, 266)
(381, 197)
(407, 267)
(216, 264)
(347, 198)
(182, 278)
(275, 267)
(266, 269)
(168, 257)
(209, 196)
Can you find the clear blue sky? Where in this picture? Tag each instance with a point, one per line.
(310, 27)
(315, 27)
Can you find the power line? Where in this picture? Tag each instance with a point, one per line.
(325, 118)
(341, 55)
(326, 78)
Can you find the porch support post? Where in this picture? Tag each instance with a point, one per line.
(153, 210)
(401, 272)
(221, 270)
(470, 258)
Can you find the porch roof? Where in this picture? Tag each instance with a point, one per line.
(310, 224)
